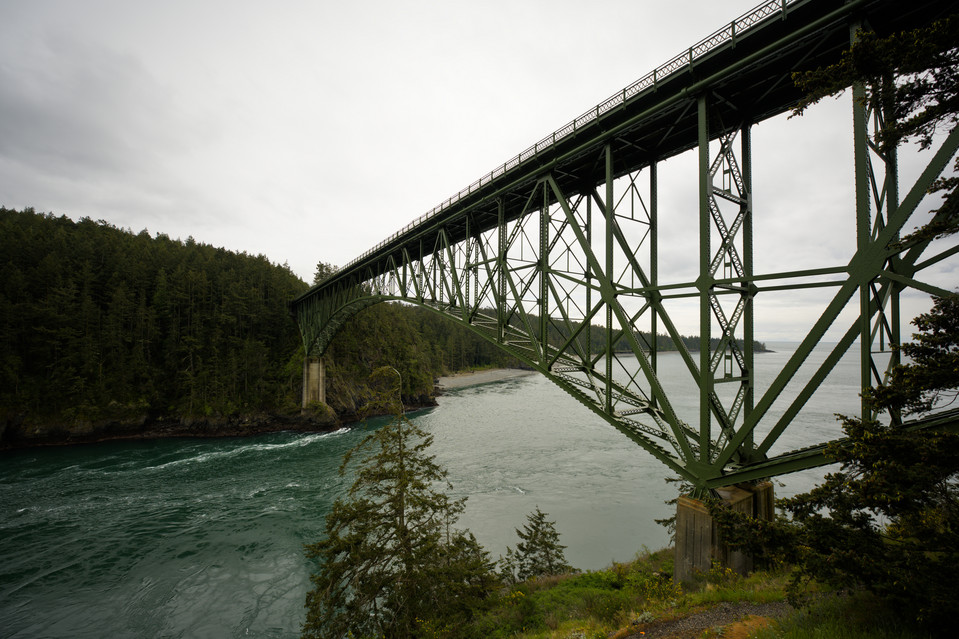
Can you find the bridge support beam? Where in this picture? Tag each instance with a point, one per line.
(520, 259)
(698, 542)
(314, 381)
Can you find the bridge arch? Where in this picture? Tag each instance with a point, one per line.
(483, 326)
(562, 243)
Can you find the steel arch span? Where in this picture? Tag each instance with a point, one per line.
(555, 255)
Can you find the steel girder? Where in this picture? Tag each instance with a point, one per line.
(541, 285)
(562, 271)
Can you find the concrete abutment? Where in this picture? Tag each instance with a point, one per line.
(698, 542)
(314, 382)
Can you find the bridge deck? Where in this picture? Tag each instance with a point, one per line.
(513, 257)
(748, 63)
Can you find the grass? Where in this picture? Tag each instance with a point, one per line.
(589, 603)
(615, 602)
(858, 616)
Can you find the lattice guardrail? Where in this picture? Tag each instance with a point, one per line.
(728, 33)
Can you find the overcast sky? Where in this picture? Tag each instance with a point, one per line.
(311, 130)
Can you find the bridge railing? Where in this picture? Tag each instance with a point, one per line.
(680, 62)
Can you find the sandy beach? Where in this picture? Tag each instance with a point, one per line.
(461, 380)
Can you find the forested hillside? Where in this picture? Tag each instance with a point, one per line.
(95, 320)
(102, 328)
(98, 324)
(420, 344)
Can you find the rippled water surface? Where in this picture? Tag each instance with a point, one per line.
(203, 538)
(170, 538)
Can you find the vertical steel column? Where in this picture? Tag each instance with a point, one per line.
(467, 267)
(589, 272)
(543, 274)
(863, 225)
(704, 283)
(421, 275)
(892, 204)
(654, 270)
(610, 295)
(440, 277)
(888, 323)
(748, 324)
(476, 268)
(875, 207)
(501, 271)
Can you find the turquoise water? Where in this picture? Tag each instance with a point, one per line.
(203, 538)
(174, 538)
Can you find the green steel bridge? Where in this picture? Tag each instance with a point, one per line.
(563, 240)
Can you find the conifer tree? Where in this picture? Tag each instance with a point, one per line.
(888, 520)
(539, 552)
(912, 78)
(392, 563)
(323, 271)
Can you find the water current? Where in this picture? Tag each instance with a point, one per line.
(203, 538)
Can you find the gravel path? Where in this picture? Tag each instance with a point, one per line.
(692, 626)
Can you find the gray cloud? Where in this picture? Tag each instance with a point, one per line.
(310, 131)
(75, 108)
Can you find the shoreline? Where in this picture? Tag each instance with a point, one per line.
(17, 433)
(475, 378)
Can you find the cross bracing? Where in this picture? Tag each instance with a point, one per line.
(554, 256)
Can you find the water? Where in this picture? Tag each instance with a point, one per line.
(203, 538)
(174, 538)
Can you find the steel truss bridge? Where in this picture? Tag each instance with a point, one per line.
(562, 241)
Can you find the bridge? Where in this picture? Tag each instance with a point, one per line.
(562, 242)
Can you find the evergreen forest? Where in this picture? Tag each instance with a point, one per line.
(100, 325)
(95, 320)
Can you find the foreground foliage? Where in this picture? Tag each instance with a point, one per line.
(601, 600)
(888, 520)
(392, 564)
(633, 599)
(834, 616)
(621, 601)
(538, 553)
(912, 79)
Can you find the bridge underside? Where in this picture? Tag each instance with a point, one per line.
(556, 257)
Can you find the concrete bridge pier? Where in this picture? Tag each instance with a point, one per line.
(698, 542)
(314, 381)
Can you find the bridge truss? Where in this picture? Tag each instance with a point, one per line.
(555, 256)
